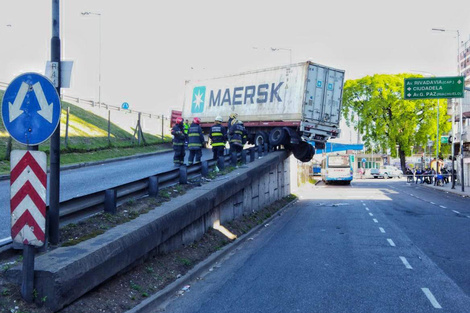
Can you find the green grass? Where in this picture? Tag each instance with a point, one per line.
(87, 141)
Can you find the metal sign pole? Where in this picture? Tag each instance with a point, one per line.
(55, 139)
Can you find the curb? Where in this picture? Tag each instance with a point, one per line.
(149, 304)
(452, 191)
(85, 164)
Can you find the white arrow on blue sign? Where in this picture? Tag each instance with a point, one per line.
(31, 109)
(125, 106)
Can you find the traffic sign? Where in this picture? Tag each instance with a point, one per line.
(125, 106)
(434, 88)
(444, 139)
(31, 109)
(28, 183)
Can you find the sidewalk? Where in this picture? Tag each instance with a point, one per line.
(447, 188)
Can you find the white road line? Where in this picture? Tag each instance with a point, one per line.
(431, 298)
(468, 216)
(390, 241)
(371, 214)
(367, 209)
(364, 204)
(456, 211)
(382, 230)
(405, 262)
(444, 207)
(375, 220)
(432, 202)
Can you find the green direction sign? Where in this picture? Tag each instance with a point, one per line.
(434, 88)
(444, 139)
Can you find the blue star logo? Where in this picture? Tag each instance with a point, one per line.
(197, 103)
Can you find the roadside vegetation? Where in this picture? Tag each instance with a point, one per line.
(87, 139)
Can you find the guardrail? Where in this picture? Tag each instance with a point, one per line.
(108, 199)
(92, 103)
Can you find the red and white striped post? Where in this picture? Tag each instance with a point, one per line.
(28, 184)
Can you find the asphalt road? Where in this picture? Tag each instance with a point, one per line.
(374, 246)
(89, 179)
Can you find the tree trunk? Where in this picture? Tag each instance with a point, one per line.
(401, 153)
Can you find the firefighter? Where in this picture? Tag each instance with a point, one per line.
(195, 141)
(218, 136)
(185, 131)
(178, 142)
(238, 136)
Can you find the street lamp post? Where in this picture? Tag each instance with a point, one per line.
(99, 57)
(461, 113)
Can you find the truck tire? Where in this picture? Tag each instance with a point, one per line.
(303, 151)
(261, 138)
(277, 136)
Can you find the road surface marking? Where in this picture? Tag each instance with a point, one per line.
(431, 298)
(382, 230)
(364, 204)
(432, 202)
(367, 209)
(456, 211)
(375, 220)
(390, 241)
(405, 262)
(444, 207)
(371, 214)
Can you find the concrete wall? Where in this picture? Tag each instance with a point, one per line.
(65, 274)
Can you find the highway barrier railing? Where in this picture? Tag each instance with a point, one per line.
(81, 207)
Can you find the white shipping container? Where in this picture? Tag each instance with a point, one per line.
(304, 99)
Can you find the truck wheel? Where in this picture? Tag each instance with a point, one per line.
(303, 152)
(261, 138)
(385, 176)
(277, 136)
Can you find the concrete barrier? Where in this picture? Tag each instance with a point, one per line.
(65, 274)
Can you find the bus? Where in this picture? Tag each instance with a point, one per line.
(337, 168)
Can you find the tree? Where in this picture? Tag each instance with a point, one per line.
(375, 106)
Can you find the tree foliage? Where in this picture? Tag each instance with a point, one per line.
(375, 106)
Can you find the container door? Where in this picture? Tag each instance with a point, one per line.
(313, 109)
(334, 93)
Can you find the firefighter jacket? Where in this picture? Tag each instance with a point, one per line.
(178, 135)
(195, 137)
(218, 135)
(237, 134)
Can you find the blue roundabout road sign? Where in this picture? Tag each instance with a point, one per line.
(31, 109)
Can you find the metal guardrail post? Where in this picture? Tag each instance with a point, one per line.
(204, 168)
(183, 174)
(266, 149)
(243, 156)
(252, 154)
(110, 201)
(260, 151)
(233, 159)
(221, 163)
(153, 186)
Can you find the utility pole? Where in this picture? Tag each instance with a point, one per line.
(54, 193)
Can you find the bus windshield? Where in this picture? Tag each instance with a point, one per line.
(338, 161)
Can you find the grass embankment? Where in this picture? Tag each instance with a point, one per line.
(87, 139)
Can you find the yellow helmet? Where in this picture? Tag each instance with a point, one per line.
(234, 115)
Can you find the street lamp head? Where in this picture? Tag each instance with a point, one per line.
(439, 29)
(85, 13)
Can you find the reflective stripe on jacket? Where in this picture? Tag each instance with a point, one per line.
(195, 137)
(218, 135)
(178, 135)
(237, 132)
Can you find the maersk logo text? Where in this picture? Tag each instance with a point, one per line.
(197, 103)
(263, 93)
